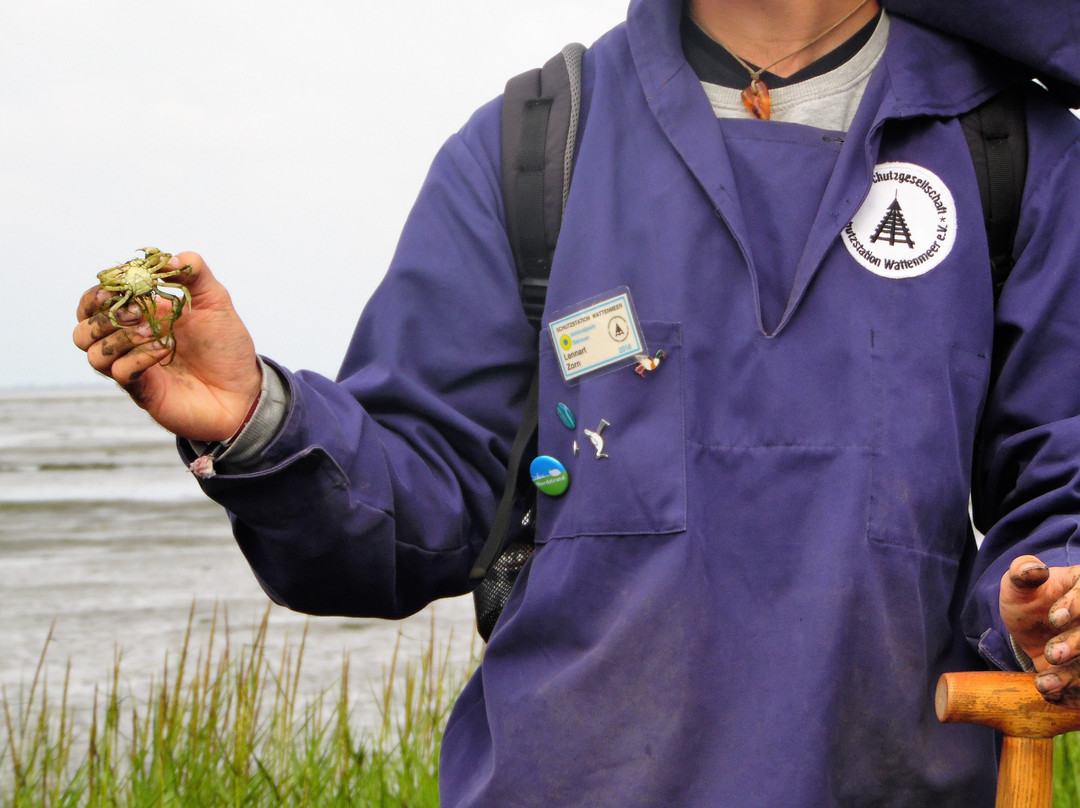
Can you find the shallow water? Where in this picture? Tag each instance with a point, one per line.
(107, 541)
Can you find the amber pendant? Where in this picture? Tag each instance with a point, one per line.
(756, 99)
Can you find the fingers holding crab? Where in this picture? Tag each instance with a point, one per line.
(126, 353)
(141, 283)
(125, 323)
(94, 324)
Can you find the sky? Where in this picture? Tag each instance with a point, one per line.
(283, 141)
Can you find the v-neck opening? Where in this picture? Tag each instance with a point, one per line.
(780, 173)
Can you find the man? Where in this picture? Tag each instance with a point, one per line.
(753, 580)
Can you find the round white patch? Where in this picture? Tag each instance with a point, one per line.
(906, 226)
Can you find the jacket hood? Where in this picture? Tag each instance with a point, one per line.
(1042, 35)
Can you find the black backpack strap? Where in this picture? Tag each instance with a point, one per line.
(539, 130)
(996, 133)
(540, 115)
(500, 528)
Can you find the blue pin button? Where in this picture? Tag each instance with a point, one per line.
(566, 416)
(549, 476)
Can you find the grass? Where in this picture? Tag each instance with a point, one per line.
(1067, 771)
(229, 729)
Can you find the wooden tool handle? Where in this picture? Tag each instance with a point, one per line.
(1026, 773)
(1008, 702)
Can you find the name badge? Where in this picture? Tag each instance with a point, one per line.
(596, 335)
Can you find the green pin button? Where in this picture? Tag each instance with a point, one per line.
(566, 416)
(549, 476)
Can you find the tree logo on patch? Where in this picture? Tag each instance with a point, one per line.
(906, 226)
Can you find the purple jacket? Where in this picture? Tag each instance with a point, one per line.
(749, 602)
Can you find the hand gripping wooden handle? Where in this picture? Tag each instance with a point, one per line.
(1009, 703)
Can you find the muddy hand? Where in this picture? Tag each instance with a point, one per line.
(1041, 609)
(122, 350)
(204, 389)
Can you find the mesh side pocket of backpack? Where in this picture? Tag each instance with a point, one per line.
(491, 595)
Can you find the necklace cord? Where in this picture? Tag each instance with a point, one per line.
(755, 75)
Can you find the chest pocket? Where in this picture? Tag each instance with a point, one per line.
(640, 487)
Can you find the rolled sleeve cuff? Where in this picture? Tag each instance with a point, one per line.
(243, 454)
(999, 650)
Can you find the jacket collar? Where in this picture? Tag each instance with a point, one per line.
(961, 74)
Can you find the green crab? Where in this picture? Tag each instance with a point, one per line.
(141, 281)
